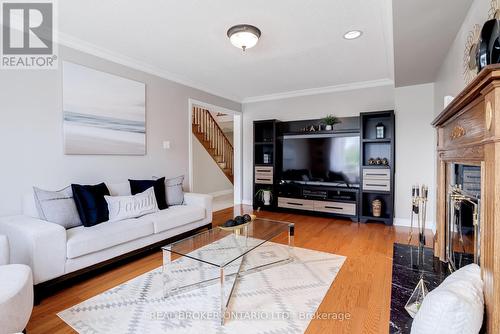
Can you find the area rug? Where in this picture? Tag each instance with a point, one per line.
(280, 299)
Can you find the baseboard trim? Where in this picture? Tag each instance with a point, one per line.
(246, 202)
(406, 222)
(221, 193)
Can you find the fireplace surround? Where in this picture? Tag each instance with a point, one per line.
(468, 134)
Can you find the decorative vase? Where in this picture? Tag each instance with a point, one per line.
(328, 127)
(377, 207)
(267, 197)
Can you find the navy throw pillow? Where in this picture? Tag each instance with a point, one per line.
(138, 186)
(90, 203)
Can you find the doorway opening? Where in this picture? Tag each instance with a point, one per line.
(215, 142)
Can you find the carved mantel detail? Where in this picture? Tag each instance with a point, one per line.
(457, 132)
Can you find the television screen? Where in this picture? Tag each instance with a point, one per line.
(321, 158)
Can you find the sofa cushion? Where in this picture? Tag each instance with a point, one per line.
(90, 202)
(173, 188)
(138, 186)
(57, 207)
(126, 207)
(175, 216)
(86, 240)
(455, 306)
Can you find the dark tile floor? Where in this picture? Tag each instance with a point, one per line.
(406, 272)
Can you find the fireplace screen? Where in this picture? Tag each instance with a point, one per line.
(464, 216)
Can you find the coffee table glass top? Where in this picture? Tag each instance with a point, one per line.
(228, 246)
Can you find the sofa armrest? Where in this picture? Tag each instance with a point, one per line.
(36, 243)
(202, 200)
(4, 250)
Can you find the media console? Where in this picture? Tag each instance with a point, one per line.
(337, 201)
(320, 196)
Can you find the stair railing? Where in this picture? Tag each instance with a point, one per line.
(212, 132)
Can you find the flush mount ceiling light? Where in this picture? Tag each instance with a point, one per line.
(244, 36)
(353, 34)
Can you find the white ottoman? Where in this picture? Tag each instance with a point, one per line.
(16, 293)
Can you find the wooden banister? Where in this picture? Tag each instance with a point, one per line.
(211, 136)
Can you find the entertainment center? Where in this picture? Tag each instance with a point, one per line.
(345, 172)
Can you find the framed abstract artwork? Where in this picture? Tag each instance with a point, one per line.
(102, 113)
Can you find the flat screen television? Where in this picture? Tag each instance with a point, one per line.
(322, 159)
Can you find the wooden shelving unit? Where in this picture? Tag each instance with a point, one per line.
(264, 136)
(377, 181)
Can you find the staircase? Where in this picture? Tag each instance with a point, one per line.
(213, 139)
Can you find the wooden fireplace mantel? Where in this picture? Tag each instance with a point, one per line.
(468, 132)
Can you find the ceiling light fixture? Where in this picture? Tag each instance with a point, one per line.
(353, 34)
(244, 36)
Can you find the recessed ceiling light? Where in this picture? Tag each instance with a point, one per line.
(244, 36)
(353, 34)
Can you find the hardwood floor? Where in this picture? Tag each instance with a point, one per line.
(362, 289)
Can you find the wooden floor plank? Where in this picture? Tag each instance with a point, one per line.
(361, 290)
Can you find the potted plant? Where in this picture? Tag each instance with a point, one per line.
(264, 195)
(330, 121)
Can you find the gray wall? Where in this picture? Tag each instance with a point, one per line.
(415, 149)
(341, 104)
(31, 132)
(208, 178)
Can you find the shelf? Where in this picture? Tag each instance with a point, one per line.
(322, 132)
(332, 200)
(377, 166)
(381, 141)
(381, 219)
(380, 192)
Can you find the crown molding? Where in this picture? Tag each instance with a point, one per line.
(320, 90)
(92, 49)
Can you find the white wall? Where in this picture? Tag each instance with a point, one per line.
(208, 178)
(415, 148)
(31, 132)
(449, 80)
(341, 104)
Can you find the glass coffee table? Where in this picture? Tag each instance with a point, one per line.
(219, 256)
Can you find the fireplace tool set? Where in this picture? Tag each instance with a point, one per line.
(419, 196)
(456, 198)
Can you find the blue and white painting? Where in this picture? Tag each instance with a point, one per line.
(103, 113)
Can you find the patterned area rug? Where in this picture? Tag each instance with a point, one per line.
(279, 299)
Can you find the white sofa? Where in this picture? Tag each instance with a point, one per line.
(52, 251)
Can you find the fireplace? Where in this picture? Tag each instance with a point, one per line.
(468, 149)
(462, 230)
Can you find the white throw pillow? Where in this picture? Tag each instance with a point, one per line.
(455, 306)
(125, 207)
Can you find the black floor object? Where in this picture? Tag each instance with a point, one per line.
(406, 272)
